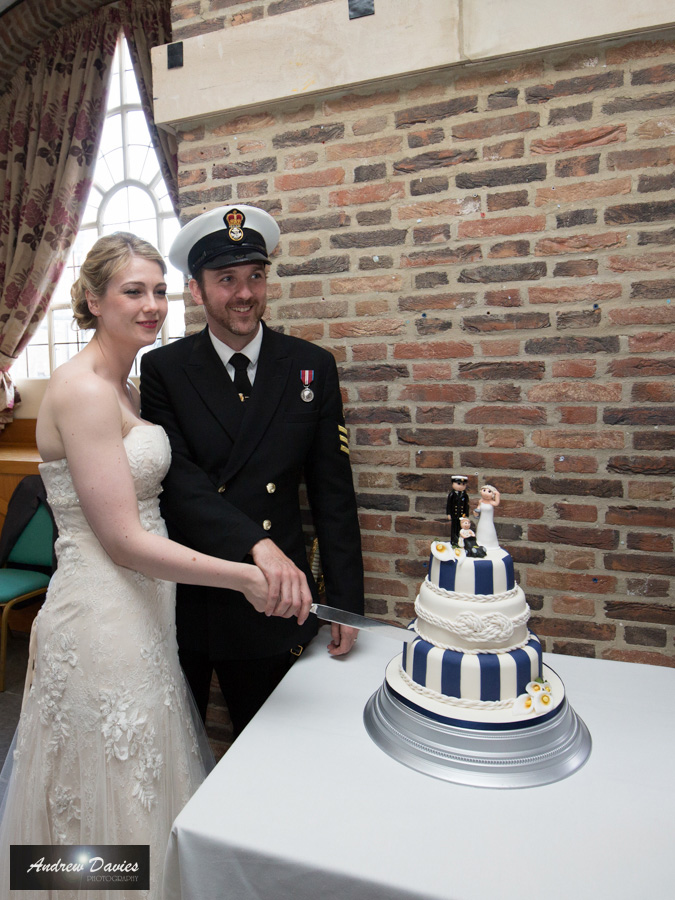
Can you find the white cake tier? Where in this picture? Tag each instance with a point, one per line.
(472, 605)
(492, 678)
(454, 571)
(482, 715)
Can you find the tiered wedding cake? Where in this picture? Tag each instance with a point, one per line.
(469, 699)
(474, 660)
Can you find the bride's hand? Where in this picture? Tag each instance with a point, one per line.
(255, 588)
(285, 600)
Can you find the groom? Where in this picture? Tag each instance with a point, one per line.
(250, 414)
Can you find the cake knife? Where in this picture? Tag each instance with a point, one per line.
(342, 617)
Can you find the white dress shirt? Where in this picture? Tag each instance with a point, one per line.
(252, 350)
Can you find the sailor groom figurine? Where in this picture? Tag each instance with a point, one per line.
(250, 414)
(457, 505)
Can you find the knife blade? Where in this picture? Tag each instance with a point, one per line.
(342, 617)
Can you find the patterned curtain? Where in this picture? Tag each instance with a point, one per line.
(50, 128)
(147, 24)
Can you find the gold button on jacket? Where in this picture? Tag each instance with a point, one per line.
(267, 524)
(271, 487)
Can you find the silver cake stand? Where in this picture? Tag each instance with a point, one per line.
(515, 757)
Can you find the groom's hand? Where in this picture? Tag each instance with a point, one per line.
(288, 592)
(343, 639)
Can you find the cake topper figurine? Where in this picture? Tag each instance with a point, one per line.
(486, 534)
(457, 505)
(467, 540)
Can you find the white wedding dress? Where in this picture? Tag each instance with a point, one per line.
(486, 533)
(108, 748)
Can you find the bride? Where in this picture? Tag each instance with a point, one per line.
(486, 534)
(107, 749)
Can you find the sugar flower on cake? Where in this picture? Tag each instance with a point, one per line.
(538, 687)
(540, 691)
(442, 550)
(536, 699)
(523, 704)
(543, 701)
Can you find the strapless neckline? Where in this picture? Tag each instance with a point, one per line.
(64, 459)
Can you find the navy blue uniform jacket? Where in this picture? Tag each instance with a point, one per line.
(233, 482)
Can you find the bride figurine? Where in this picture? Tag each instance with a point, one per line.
(486, 535)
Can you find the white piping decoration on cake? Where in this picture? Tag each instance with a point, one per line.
(538, 698)
(491, 627)
(454, 701)
(472, 650)
(476, 598)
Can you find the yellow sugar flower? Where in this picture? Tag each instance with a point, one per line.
(543, 702)
(524, 703)
(441, 550)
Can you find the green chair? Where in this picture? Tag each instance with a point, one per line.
(24, 579)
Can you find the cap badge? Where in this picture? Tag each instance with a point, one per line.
(234, 220)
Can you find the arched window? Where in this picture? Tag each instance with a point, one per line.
(128, 194)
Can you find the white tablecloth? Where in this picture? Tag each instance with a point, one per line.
(304, 806)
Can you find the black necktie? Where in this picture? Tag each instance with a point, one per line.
(241, 382)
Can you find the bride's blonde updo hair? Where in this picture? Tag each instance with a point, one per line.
(105, 259)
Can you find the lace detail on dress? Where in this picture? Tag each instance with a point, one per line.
(149, 454)
(155, 652)
(161, 678)
(128, 735)
(65, 808)
(59, 654)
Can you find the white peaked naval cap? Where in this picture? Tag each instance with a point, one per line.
(224, 236)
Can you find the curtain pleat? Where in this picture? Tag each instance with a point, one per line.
(50, 128)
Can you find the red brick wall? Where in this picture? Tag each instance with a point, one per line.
(192, 17)
(489, 252)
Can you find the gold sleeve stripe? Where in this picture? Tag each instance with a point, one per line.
(344, 439)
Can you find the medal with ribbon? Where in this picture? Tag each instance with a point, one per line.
(307, 377)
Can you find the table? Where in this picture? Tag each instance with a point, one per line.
(304, 806)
